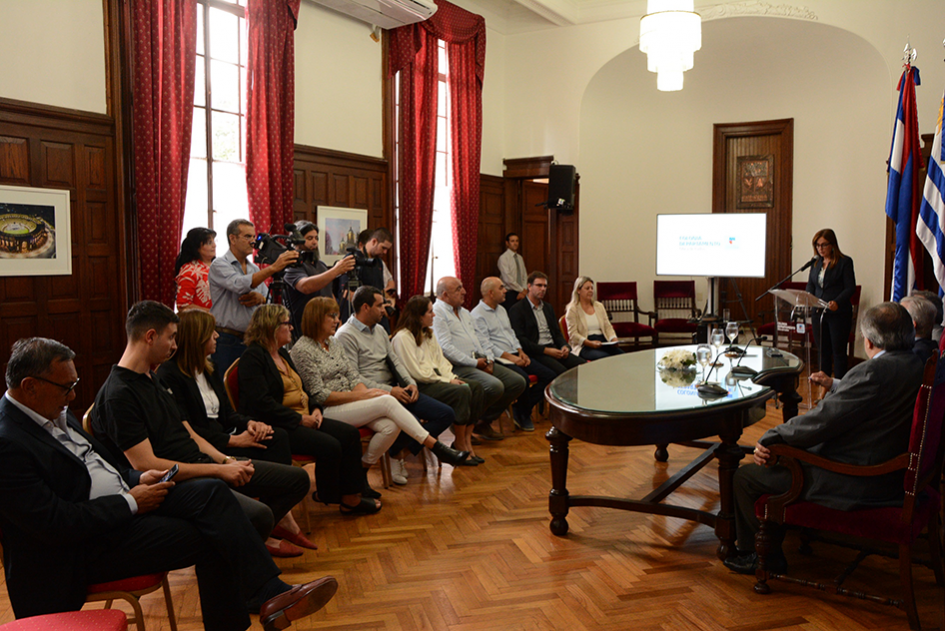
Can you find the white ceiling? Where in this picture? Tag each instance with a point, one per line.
(520, 16)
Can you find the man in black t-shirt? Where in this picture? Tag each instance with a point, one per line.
(373, 245)
(142, 423)
(305, 281)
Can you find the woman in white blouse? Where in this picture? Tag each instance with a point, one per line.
(335, 383)
(592, 336)
(416, 347)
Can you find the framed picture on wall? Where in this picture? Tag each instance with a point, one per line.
(755, 182)
(35, 232)
(338, 230)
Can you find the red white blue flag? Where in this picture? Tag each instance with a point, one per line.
(930, 228)
(902, 192)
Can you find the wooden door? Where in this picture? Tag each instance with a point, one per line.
(767, 146)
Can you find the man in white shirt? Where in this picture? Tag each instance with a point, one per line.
(498, 338)
(512, 270)
(456, 334)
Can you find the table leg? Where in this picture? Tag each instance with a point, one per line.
(729, 455)
(558, 497)
(789, 399)
(662, 453)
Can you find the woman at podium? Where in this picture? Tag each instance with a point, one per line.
(832, 280)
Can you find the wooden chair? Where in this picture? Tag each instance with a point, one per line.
(130, 589)
(563, 325)
(620, 301)
(897, 525)
(92, 620)
(675, 306)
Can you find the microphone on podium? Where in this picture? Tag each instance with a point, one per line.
(807, 265)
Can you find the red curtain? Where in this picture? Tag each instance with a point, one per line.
(270, 111)
(164, 48)
(413, 50)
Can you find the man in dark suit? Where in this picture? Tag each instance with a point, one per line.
(866, 420)
(536, 327)
(71, 517)
(923, 312)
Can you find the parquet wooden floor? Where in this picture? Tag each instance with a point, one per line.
(470, 550)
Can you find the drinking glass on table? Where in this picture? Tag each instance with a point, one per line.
(731, 331)
(703, 356)
(717, 338)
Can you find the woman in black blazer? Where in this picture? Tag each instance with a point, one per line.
(832, 279)
(270, 388)
(202, 400)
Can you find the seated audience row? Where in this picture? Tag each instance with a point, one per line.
(73, 515)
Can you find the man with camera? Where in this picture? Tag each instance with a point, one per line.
(237, 287)
(310, 277)
(368, 270)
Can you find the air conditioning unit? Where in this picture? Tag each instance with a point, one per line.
(384, 13)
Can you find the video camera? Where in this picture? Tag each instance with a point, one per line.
(361, 262)
(268, 247)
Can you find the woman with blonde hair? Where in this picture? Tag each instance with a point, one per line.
(271, 388)
(201, 398)
(589, 329)
(423, 358)
(334, 383)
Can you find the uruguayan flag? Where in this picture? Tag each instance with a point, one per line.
(930, 228)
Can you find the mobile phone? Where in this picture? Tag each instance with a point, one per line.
(170, 474)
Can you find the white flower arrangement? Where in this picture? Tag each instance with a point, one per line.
(678, 378)
(677, 359)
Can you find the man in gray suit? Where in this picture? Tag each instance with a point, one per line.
(865, 421)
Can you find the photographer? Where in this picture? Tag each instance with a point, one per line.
(369, 269)
(237, 287)
(310, 277)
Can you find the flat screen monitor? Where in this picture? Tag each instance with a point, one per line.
(711, 244)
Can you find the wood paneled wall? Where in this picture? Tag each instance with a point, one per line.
(49, 147)
(323, 177)
(492, 230)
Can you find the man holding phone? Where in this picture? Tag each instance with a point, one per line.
(71, 516)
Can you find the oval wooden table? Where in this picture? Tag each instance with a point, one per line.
(626, 400)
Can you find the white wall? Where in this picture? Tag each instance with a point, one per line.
(53, 52)
(338, 83)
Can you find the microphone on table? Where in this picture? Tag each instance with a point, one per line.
(712, 390)
(744, 371)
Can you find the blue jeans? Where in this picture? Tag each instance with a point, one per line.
(229, 349)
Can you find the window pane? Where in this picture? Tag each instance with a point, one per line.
(226, 136)
(229, 199)
(441, 137)
(224, 36)
(198, 137)
(200, 42)
(244, 46)
(224, 86)
(440, 168)
(195, 206)
(200, 83)
(443, 64)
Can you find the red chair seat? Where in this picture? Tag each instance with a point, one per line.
(766, 329)
(632, 329)
(884, 524)
(675, 325)
(92, 620)
(133, 584)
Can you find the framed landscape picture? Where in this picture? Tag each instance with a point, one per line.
(35, 233)
(338, 230)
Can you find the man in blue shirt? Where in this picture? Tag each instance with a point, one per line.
(499, 340)
(237, 287)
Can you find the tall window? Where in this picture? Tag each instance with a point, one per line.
(216, 182)
(440, 261)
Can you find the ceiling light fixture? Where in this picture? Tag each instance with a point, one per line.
(670, 32)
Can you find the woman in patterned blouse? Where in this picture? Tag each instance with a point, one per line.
(193, 265)
(333, 382)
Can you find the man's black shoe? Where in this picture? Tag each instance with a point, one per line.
(485, 432)
(747, 563)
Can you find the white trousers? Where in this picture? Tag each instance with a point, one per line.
(385, 416)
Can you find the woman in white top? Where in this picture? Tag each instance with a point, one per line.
(588, 325)
(423, 358)
(334, 383)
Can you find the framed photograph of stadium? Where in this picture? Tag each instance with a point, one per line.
(338, 230)
(35, 232)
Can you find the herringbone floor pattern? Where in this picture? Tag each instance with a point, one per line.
(470, 549)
